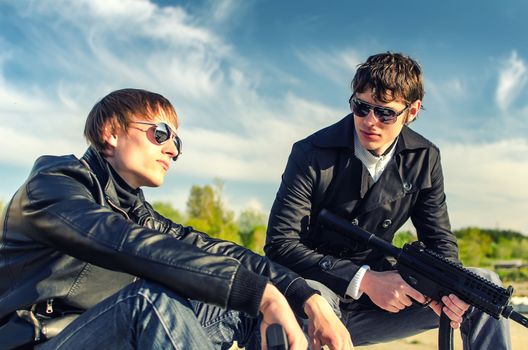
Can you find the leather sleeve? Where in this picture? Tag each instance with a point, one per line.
(58, 208)
(289, 283)
(289, 222)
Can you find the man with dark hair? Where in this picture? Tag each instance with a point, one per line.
(87, 263)
(373, 170)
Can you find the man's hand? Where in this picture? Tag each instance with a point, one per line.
(389, 291)
(324, 327)
(275, 309)
(453, 307)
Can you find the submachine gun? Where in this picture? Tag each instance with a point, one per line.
(434, 276)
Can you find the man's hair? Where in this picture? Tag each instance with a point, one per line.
(118, 108)
(390, 76)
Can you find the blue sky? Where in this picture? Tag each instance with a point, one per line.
(249, 78)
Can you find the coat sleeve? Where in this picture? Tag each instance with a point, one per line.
(58, 209)
(429, 214)
(293, 286)
(289, 222)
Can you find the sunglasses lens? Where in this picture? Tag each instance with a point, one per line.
(162, 133)
(360, 109)
(178, 144)
(384, 114)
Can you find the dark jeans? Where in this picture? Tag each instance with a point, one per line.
(374, 325)
(145, 315)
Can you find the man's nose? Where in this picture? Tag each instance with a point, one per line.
(371, 118)
(170, 148)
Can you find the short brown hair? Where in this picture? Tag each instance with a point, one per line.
(390, 76)
(118, 108)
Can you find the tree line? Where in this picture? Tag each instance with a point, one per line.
(207, 212)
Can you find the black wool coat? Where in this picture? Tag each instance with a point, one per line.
(323, 172)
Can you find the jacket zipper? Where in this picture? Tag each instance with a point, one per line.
(49, 306)
(117, 208)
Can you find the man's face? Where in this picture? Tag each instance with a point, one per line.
(375, 135)
(137, 157)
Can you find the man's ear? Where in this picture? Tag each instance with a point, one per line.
(110, 139)
(413, 111)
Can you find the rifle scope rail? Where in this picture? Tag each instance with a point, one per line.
(472, 288)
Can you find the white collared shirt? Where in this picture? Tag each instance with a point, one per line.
(375, 166)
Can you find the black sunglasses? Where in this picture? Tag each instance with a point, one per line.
(163, 133)
(383, 114)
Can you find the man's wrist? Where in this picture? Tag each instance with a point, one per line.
(353, 290)
(311, 305)
(298, 292)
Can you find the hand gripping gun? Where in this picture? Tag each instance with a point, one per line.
(433, 275)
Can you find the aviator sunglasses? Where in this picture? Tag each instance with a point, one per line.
(383, 114)
(163, 133)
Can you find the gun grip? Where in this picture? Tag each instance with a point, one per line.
(276, 338)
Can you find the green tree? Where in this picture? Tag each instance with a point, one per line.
(167, 210)
(402, 237)
(503, 248)
(207, 212)
(1, 207)
(520, 249)
(252, 226)
(474, 246)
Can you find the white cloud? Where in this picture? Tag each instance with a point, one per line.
(32, 125)
(486, 184)
(513, 77)
(455, 88)
(22, 148)
(335, 65)
(96, 47)
(230, 130)
(90, 49)
(222, 10)
(261, 151)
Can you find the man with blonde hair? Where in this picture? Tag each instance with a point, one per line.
(87, 263)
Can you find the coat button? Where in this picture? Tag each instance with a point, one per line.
(326, 263)
(355, 222)
(407, 186)
(386, 223)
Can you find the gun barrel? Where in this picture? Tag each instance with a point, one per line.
(517, 317)
(341, 225)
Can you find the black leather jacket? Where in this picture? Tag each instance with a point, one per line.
(323, 172)
(65, 241)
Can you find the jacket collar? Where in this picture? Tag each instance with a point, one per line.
(99, 167)
(341, 135)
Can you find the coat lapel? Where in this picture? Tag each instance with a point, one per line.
(388, 188)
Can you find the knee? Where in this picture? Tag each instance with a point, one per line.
(329, 295)
(488, 275)
(143, 295)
